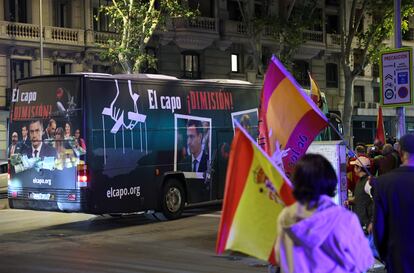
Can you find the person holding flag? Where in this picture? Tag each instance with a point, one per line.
(257, 187)
(315, 234)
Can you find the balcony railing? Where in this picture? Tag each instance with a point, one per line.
(19, 30)
(313, 36)
(64, 35)
(101, 38)
(203, 24)
(53, 35)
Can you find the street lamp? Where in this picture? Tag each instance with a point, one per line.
(41, 36)
(398, 44)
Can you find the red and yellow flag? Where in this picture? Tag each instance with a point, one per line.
(316, 95)
(380, 133)
(288, 115)
(251, 200)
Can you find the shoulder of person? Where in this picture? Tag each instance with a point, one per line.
(288, 214)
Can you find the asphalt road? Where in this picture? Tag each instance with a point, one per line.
(33, 241)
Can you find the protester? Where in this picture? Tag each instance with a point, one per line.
(315, 234)
(393, 212)
(362, 201)
(351, 176)
(388, 161)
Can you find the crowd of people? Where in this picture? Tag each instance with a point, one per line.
(317, 235)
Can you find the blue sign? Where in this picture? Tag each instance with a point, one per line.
(402, 78)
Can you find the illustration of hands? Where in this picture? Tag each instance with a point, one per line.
(124, 113)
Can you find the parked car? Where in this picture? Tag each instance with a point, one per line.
(3, 179)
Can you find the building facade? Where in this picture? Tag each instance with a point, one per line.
(215, 45)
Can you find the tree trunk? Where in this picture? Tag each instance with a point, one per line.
(348, 104)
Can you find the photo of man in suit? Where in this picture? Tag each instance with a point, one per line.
(198, 157)
(38, 149)
(25, 136)
(14, 147)
(50, 130)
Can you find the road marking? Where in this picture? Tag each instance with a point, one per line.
(210, 215)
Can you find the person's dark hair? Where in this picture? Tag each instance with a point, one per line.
(37, 121)
(360, 149)
(407, 143)
(197, 124)
(312, 177)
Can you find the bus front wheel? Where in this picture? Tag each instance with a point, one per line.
(172, 201)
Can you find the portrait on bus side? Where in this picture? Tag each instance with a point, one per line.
(248, 119)
(192, 143)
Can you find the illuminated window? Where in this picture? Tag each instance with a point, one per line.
(235, 63)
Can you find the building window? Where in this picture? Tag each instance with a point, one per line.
(98, 68)
(359, 94)
(358, 62)
(376, 91)
(15, 10)
(20, 69)
(332, 75)
(235, 63)
(62, 15)
(332, 24)
(191, 65)
(318, 22)
(205, 7)
(300, 72)
(62, 68)
(234, 11)
(332, 2)
(101, 20)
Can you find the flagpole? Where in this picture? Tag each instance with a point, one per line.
(348, 147)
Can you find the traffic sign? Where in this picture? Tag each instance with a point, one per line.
(396, 77)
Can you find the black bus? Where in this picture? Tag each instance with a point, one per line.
(99, 143)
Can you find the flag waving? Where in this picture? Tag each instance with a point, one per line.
(380, 134)
(316, 95)
(251, 200)
(288, 115)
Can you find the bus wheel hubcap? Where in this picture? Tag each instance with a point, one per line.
(173, 199)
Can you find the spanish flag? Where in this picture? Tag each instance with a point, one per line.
(254, 187)
(316, 95)
(288, 115)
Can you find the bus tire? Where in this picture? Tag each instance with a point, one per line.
(172, 201)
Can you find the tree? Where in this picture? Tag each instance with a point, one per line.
(295, 17)
(136, 21)
(364, 43)
(286, 28)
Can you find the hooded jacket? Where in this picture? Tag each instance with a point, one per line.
(326, 239)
